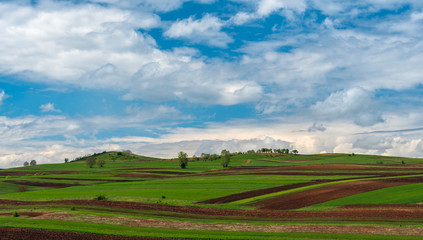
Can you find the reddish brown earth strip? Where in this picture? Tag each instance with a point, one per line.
(42, 184)
(327, 193)
(140, 175)
(86, 179)
(23, 173)
(199, 211)
(255, 193)
(39, 234)
(169, 172)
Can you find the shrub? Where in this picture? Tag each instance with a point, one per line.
(100, 197)
(22, 189)
(73, 208)
(15, 214)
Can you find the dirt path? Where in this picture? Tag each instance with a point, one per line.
(327, 193)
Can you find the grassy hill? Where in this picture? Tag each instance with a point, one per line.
(260, 196)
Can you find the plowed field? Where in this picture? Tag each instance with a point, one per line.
(323, 194)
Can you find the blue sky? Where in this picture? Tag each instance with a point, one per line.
(159, 77)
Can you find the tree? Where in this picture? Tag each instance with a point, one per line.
(295, 151)
(66, 160)
(183, 159)
(90, 161)
(101, 162)
(33, 163)
(251, 151)
(225, 158)
(26, 164)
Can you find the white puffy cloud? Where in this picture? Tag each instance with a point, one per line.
(64, 43)
(266, 7)
(205, 30)
(355, 103)
(97, 47)
(49, 107)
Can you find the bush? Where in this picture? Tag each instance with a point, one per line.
(16, 214)
(22, 189)
(100, 197)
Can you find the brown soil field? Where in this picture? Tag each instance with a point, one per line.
(42, 184)
(327, 193)
(23, 173)
(201, 212)
(169, 172)
(140, 175)
(39, 234)
(255, 193)
(86, 179)
(258, 192)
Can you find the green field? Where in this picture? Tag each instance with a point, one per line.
(259, 196)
